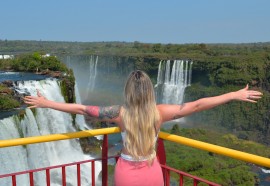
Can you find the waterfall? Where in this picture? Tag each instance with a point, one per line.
(42, 122)
(85, 70)
(171, 83)
(92, 74)
(190, 73)
(80, 121)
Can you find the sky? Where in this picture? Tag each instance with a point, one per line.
(146, 21)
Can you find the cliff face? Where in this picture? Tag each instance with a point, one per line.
(248, 121)
(231, 73)
(125, 64)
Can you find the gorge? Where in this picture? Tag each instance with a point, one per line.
(111, 72)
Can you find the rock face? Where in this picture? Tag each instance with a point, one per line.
(6, 91)
(8, 83)
(232, 73)
(247, 121)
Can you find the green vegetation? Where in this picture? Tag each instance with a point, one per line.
(6, 99)
(33, 63)
(7, 102)
(67, 87)
(213, 167)
(223, 139)
(207, 52)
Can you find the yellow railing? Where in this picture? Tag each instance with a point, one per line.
(251, 158)
(57, 137)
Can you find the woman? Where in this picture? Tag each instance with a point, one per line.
(140, 120)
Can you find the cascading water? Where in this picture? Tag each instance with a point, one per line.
(85, 72)
(190, 73)
(171, 83)
(92, 74)
(42, 122)
(80, 121)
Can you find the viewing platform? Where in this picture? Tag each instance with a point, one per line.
(183, 177)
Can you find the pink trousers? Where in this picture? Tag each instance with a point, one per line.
(129, 173)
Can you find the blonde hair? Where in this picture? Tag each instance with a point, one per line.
(140, 116)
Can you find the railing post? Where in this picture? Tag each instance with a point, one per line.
(93, 173)
(105, 161)
(13, 180)
(48, 177)
(181, 180)
(64, 176)
(167, 178)
(161, 155)
(31, 178)
(79, 174)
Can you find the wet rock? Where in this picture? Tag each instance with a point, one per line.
(8, 83)
(56, 74)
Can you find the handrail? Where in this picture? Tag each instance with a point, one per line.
(251, 158)
(57, 137)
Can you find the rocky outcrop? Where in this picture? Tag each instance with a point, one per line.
(8, 97)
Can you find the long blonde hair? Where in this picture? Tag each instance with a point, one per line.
(140, 116)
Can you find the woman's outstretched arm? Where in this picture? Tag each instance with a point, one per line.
(110, 113)
(40, 101)
(171, 112)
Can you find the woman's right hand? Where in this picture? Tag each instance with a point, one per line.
(38, 101)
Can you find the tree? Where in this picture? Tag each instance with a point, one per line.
(157, 47)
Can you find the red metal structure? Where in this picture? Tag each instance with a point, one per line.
(160, 153)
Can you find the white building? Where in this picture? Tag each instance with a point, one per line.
(6, 56)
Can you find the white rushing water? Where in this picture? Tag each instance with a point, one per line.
(171, 82)
(42, 122)
(85, 71)
(80, 121)
(92, 74)
(266, 171)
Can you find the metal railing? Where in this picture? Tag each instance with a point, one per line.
(48, 170)
(160, 153)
